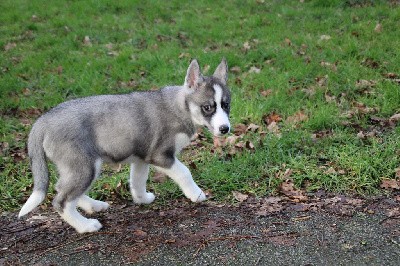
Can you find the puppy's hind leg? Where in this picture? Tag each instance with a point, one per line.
(138, 177)
(88, 204)
(76, 177)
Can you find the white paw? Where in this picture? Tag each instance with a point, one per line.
(100, 206)
(144, 199)
(198, 197)
(91, 225)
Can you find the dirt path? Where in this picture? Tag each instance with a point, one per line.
(331, 230)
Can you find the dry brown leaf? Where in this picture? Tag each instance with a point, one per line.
(365, 84)
(325, 37)
(9, 46)
(397, 172)
(232, 139)
(159, 177)
(184, 55)
(240, 129)
(255, 70)
(87, 41)
(288, 189)
(390, 75)
(274, 128)
(322, 81)
(272, 117)
(246, 46)
(390, 184)
(235, 70)
(252, 127)
(378, 28)
(266, 93)
(288, 42)
(330, 98)
(249, 145)
(297, 118)
(268, 208)
(239, 196)
(395, 118)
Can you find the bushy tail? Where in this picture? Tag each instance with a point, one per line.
(39, 168)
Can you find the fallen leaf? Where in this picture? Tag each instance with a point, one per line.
(9, 46)
(252, 127)
(274, 128)
(271, 117)
(365, 84)
(87, 41)
(235, 70)
(240, 129)
(288, 42)
(288, 189)
(159, 177)
(246, 46)
(395, 118)
(378, 28)
(268, 208)
(249, 145)
(255, 70)
(297, 118)
(239, 196)
(330, 98)
(322, 81)
(325, 37)
(266, 93)
(184, 55)
(390, 184)
(390, 75)
(139, 233)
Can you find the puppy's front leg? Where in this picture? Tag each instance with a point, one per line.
(138, 177)
(182, 176)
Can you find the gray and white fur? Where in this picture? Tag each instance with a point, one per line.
(140, 128)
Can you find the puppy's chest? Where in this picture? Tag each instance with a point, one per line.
(181, 141)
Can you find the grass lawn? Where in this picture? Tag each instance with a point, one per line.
(314, 85)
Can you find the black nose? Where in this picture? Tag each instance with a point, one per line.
(224, 129)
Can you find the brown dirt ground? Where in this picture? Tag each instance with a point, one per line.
(324, 230)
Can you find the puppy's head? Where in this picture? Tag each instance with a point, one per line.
(209, 99)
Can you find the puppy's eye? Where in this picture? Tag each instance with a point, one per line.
(206, 108)
(225, 105)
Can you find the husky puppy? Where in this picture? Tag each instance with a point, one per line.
(140, 128)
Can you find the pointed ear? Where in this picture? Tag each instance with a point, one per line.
(222, 71)
(193, 75)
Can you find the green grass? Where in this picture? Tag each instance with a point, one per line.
(139, 45)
